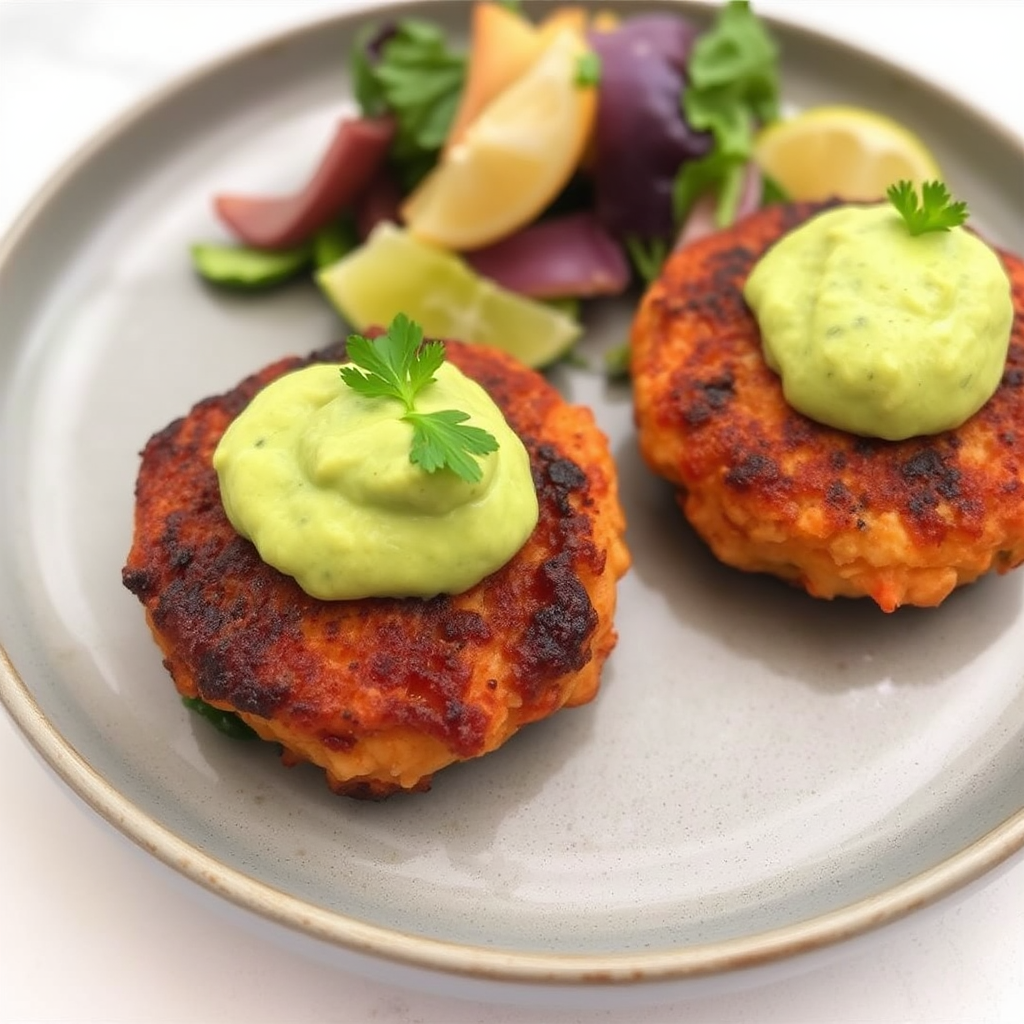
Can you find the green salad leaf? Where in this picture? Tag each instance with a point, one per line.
(408, 71)
(223, 721)
(733, 90)
(588, 69)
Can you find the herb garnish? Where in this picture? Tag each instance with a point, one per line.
(588, 69)
(647, 256)
(616, 361)
(407, 70)
(733, 90)
(400, 365)
(223, 721)
(935, 211)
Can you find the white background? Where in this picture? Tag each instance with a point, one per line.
(92, 929)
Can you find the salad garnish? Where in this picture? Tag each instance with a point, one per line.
(933, 211)
(588, 69)
(733, 91)
(334, 241)
(398, 364)
(672, 148)
(647, 255)
(407, 70)
(223, 721)
(234, 266)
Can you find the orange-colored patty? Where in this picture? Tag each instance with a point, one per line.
(769, 490)
(383, 692)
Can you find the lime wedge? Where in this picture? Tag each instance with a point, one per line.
(846, 152)
(393, 272)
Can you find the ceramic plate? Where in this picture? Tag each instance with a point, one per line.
(762, 773)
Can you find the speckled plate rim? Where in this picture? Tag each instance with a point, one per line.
(943, 879)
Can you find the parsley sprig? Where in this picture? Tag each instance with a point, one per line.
(400, 365)
(934, 211)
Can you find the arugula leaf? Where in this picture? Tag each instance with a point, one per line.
(733, 90)
(399, 365)
(935, 211)
(407, 70)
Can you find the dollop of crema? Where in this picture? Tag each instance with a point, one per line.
(318, 477)
(879, 332)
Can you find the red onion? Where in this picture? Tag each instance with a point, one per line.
(641, 135)
(380, 201)
(702, 220)
(569, 256)
(354, 156)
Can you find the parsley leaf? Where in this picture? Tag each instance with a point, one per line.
(440, 439)
(733, 90)
(400, 365)
(407, 70)
(935, 211)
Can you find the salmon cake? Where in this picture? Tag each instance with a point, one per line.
(383, 692)
(771, 491)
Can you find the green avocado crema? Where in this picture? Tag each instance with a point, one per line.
(318, 477)
(879, 332)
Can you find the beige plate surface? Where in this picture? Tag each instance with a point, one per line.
(763, 774)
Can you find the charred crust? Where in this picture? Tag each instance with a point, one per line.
(839, 498)
(459, 626)
(564, 473)
(927, 469)
(556, 637)
(139, 581)
(753, 469)
(708, 397)
(556, 478)
(334, 741)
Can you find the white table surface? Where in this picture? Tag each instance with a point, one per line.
(92, 929)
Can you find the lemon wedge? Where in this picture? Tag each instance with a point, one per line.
(393, 272)
(513, 159)
(846, 152)
(503, 46)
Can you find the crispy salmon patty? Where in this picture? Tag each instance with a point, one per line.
(769, 490)
(383, 692)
